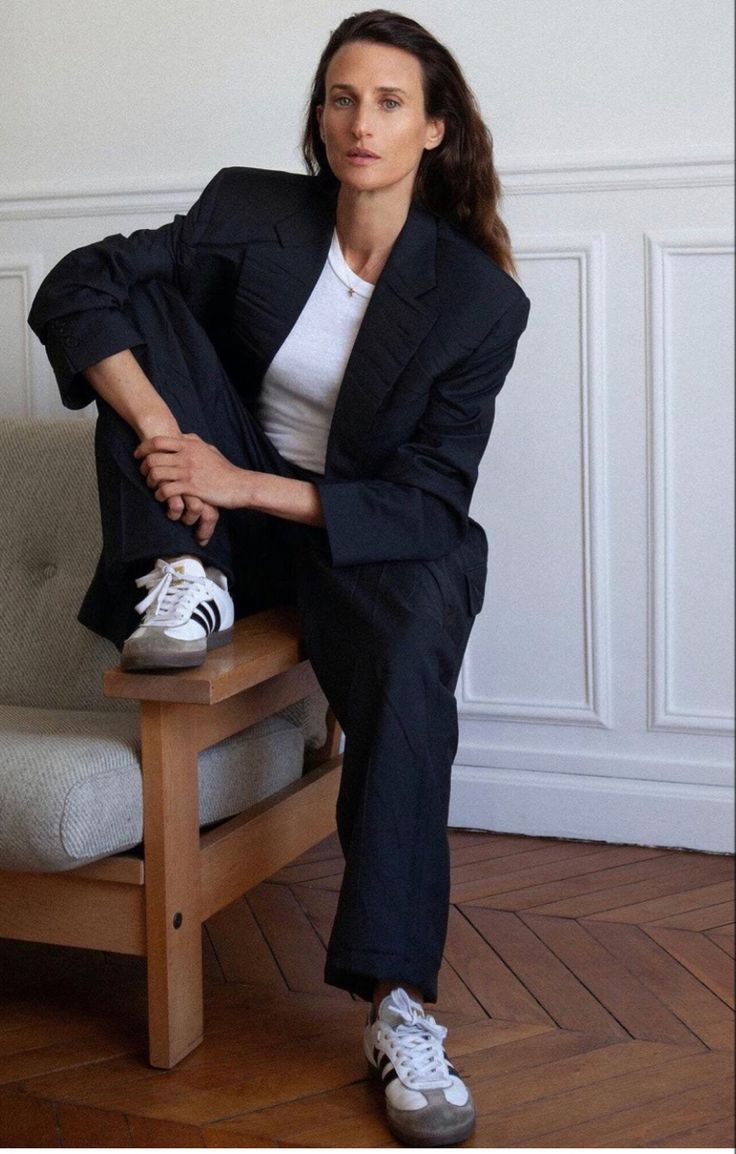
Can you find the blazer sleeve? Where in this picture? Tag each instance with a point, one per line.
(79, 310)
(418, 508)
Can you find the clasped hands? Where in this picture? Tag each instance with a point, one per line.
(193, 478)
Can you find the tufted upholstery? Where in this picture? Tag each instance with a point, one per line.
(70, 787)
(50, 518)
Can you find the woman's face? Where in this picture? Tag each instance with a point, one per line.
(373, 121)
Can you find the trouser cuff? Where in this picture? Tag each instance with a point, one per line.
(359, 972)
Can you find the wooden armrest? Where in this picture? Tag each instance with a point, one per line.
(263, 645)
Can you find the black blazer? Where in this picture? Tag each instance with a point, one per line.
(416, 405)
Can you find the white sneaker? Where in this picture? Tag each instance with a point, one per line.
(427, 1102)
(188, 610)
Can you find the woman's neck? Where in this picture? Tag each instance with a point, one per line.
(367, 227)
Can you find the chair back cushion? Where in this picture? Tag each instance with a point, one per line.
(50, 518)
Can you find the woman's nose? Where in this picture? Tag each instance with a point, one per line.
(362, 124)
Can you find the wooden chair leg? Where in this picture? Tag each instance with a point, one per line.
(172, 882)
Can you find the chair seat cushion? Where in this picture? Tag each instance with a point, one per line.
(70, 782)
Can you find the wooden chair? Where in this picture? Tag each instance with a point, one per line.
(153, 904)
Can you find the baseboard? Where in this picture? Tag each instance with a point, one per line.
(570, 805)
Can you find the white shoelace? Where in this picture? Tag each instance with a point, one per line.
(171, 594)
(418, 1041)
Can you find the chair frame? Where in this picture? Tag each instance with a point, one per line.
(155, 906)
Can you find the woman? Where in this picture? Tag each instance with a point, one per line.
(295, 385)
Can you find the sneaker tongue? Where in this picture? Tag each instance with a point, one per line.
(396, 1008)
(188, 567)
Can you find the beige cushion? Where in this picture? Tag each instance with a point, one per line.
(70, 782)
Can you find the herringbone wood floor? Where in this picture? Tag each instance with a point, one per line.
(588, 991)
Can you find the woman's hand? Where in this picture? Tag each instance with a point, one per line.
(192, 511)
(187, 467)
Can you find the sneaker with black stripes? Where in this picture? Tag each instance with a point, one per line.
(187, 611)
(427, 1103)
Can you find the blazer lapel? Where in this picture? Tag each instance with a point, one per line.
(278, 272)
(402, 310)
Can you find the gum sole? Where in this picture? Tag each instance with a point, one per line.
(160, 662)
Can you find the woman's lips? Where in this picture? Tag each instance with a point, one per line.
(361, 156)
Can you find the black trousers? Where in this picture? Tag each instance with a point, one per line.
(386, 640)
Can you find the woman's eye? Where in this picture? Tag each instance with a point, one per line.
(390, 103)
(342, 101)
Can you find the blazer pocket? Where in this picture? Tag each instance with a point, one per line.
(475, 580)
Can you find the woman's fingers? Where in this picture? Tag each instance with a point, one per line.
(195, 512)
(168, 472)
(159, 460)
(175, 508)
(158, 445)
(193, 507)
(206, 524)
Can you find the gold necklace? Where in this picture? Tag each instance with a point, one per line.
(352, 288)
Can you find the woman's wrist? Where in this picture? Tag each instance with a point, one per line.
(285, 497)
(161, 423)
(121, 381)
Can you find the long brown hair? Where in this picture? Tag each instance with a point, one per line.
(457, 180)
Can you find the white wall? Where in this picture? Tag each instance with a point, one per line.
(597, 694)
(103, 94)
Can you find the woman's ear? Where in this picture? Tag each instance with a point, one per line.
(319, 110)
(435, 132)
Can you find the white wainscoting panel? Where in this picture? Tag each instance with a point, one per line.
(19, 278)
(691, 296)
(540, 497)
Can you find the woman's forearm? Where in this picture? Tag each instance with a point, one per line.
(121, 382)
(283, 497)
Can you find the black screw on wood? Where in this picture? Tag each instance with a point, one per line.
(178, 919)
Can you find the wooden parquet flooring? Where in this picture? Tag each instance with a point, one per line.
(588, 989)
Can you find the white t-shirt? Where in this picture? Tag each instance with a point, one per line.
(299, 391)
